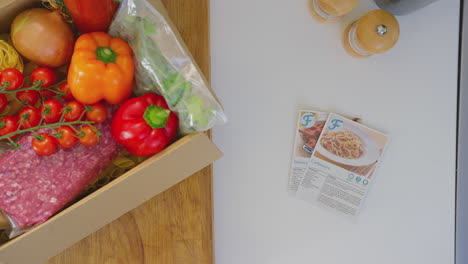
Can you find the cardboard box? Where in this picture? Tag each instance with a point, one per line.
(165, 169)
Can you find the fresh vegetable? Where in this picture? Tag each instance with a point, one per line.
(51, 110)
(101, 68)
(144, 125)
(66, 136)
(35, 87)
(73, 111)
(3, 102)
(43, 37)
(29, 117)
(88, 135)
(44, 144)
(165, 67)
(92, 15)
(97, 113)
(47, 76)
(28, 97)
(8, 124)
(13, 106)
(13, 131)
(65, 89)
(11, 79)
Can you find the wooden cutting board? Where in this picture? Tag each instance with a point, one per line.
(175, 226)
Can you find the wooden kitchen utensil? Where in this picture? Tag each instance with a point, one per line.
(375, 32)
(328, 11)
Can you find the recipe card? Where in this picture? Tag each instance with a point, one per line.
(342, 165)
(308, 130)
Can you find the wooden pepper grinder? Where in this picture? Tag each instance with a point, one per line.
(328, 11)
(375, 32)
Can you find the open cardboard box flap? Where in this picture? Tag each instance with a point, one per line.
(165, 169)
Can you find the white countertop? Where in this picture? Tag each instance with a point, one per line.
(269, 56)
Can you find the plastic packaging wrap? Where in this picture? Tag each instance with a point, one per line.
(164, 66)
(33, 187)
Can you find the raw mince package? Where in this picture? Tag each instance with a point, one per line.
(165, 67)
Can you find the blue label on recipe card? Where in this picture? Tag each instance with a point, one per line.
(335, 124)
(308, 120)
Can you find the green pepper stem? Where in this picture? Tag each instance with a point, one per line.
(155, 116)
(106, 55)
(44, 126)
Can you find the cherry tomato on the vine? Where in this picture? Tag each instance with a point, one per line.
(29, 117)
(89, 135)
(8, 124)
(73, 111)
(51, 110)
(65, 88)
(47, 94)
(97, 114)
(28, 97)
(44, 144)
(3, 102)
(65, 136)
(47, 76)
(12, 78)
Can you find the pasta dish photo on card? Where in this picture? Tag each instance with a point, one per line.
(342, 164)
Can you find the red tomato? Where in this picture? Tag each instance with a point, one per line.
(73, 111)
(28, 97)
(8, 124)
(65, 136)
(97, 114)
(89, 135)
(46, 75)
(29, 117)
(51, 110)
(47, 94)
(3, 102)
(14, 78)
(65, 88)
(44, 144)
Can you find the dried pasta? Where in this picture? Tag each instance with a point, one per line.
(9, 57)
(343, 144)
(123, 163)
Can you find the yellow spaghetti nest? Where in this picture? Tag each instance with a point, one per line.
(9, 58)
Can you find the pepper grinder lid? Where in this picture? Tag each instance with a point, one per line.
(331, 10)
(338, 7)
(377, 31)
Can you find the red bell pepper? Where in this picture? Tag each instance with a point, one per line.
(144, 125)
(91, 15)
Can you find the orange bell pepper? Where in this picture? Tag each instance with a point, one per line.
(101, 68)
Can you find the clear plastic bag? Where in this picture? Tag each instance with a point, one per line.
(164, 66)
